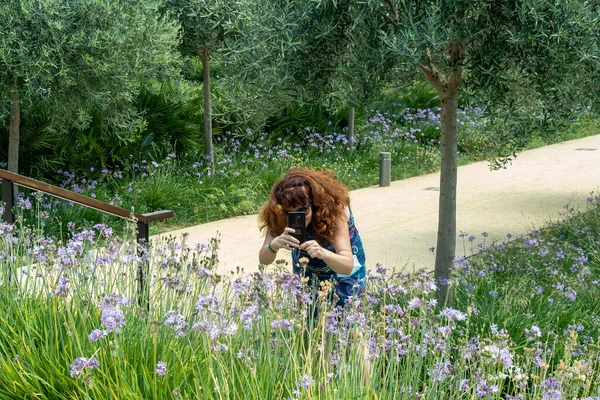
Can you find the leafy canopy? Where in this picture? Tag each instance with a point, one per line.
(78, 56)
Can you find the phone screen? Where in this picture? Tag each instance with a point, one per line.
(297, 220)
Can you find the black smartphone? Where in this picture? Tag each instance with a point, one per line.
(297, 220)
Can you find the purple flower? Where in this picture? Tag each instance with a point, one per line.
(62, 289)
(220, 347)
(551, 392)
(440, 372)
(113, 319)
(177, 322)
(453, 314)
(533, 333)
(104, 230)
(24, 203)
(571, 295)
(114, 300)
(80, 364)
(208, 303)
(281, 323)
(506, 358)
(483, 389)
(249, 315)
(415, 303)
(96, 334)
(161, 368)
(493, 293)
(305, 381)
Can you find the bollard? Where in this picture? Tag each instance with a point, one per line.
(385, 168)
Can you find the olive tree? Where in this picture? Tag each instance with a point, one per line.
(339, 57)
(77, 55)
(490, 49)
(205, 26)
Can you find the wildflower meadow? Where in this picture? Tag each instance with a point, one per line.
(523, 324)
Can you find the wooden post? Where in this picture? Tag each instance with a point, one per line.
(143, 237)
(8, 198)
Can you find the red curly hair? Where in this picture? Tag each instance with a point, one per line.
(299, 187)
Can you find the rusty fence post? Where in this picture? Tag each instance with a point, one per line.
(8, 198)
(143, 238)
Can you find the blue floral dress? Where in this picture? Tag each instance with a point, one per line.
(347, 285)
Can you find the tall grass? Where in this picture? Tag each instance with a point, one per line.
(524, 324)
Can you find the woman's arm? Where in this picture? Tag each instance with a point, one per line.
(341, 261)
(267, 255)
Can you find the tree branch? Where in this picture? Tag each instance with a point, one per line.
(433, 76)
(393, 13)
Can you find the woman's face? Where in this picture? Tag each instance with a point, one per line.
(301, 201)
(307, 210)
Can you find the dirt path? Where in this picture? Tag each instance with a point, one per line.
(399, 223)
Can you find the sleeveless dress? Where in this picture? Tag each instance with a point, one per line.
(347, 285)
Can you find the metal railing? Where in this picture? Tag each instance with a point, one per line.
(9, 179)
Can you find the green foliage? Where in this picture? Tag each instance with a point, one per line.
(204, 24)
(172, 115)
(418, 95)
(159, 192)
(550, 274)
(80, 58)
(296, 116)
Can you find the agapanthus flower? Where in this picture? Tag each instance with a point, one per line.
(62, 288)
(104, 230)
(440, 372)
(96, 334)
(250, 315)
(161, 368)
(177, 322)
(281, 324)
(305, 381)
(533, 333)
(220, 347)
(80, 364)
(571, 295)
(453, 314)
(113, 319)
(551, 391)
(415, 302)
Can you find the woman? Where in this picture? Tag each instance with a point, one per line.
(334, 248)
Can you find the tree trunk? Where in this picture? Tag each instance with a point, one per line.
(208, 144)
(15, 123)
(446, 239)
(447, 89)
(351, 129)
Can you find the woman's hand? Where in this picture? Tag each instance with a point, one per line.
(285, 241)
(313, 249)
